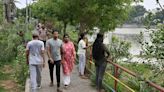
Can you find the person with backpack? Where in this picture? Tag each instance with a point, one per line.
(100, 54)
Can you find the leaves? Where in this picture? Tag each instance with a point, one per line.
(105, 14)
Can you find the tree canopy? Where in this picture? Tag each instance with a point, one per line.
(104, 14)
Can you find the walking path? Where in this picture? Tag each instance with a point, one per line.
(77, 84)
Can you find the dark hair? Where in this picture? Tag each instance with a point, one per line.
(81, 36)
(43, 27)
(98, 49)
(55, 30)
(65, 35)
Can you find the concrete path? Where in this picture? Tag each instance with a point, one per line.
(77, 84)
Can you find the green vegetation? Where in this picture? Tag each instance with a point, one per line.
(86, 13)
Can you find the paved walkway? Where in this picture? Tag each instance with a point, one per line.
(77, 84)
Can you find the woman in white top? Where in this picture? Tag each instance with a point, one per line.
(82, 55)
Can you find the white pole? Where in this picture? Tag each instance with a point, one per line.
(26, 15)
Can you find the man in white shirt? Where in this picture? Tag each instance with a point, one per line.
(35, 59)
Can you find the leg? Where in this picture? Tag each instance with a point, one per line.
(101, 75)
(33, 77)
(51, 70)
(58, 72)
(83, 63)
(80, 64)
(97, 75)
(66, 80)
(38, 70)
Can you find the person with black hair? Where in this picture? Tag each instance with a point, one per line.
(54, 50)
(100, 54)
(82, 55)
(68, 59)
(35, 59)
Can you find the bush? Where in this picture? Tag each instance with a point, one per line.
(21, 68)
(119, 49)
(9, 41)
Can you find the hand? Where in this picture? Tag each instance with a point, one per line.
(43, 65)
(62, 62)
(51, 60)
(27, 62)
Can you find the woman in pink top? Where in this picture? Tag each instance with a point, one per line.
(68, 59)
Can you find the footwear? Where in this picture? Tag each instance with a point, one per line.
(39, 87)
(84, 77)
(59, 90)
(66, 86)
(51, 84)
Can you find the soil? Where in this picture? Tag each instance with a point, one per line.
(9, 85)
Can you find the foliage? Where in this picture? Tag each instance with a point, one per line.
(106, 14)
(137, 12)
(119, 49)
(154, 48)
(21, 68)
(153, 19)
(9, 43)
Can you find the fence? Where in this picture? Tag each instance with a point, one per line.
(116, 74)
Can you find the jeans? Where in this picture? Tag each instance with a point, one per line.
(100, 70)
(51, 70)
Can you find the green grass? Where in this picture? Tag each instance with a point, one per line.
(2, 89)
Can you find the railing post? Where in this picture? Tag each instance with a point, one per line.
(116, 76)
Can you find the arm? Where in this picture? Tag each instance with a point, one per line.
(27, 56)
(42, 54)
(73, 51)
(27, 53)
(84, 46)
(49, 52)
(106, 50)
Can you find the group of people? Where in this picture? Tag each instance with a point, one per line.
(62, 53)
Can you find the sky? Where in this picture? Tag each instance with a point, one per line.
(148, 4)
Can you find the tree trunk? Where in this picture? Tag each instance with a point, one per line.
(82, 28)
(65, 27)
(7, 10)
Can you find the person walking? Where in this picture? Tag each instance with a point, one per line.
(43, 34)
(68, 59)
(82, 55)
(35, 59)
(100, 54)
(54, 49)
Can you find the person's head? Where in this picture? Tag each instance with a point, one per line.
(35, 35)
(55, 33)
(43, 27)
(66, 37)
(100, 37)
(82, 36)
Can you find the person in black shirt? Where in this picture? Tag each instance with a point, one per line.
(100, 54)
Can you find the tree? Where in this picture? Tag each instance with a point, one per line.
(105, 14)
(9, 9)
(136, 12)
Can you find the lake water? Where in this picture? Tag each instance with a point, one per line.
(128, 34)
